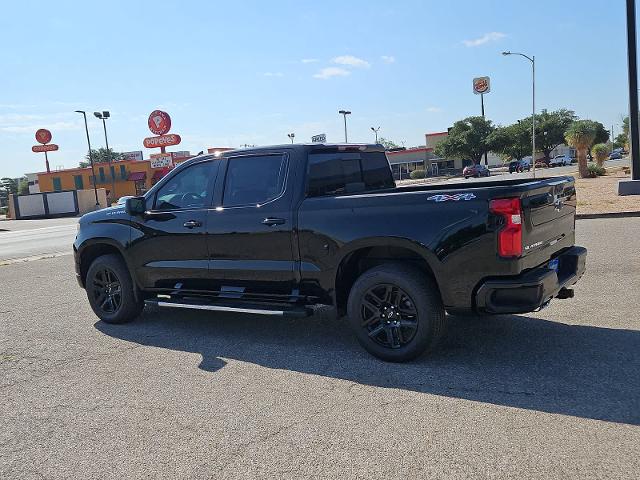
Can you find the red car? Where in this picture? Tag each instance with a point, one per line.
(475, 170)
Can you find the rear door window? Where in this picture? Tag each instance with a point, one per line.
(338, 173)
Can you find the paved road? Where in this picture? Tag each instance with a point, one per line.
(555, 394)
(30, 238)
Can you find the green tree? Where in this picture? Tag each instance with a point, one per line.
(550, 128)
(102, 155)
(467, 139)
(387, 144)
(9, 185)
(580, 135)
(511, 142)
(602, 134)
(622, 139)
(601, 152)
(23, 186)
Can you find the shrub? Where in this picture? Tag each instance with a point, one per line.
(4, 210)
(595, 170)
(418, 173)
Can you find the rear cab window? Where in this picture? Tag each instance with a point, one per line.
(337, 173)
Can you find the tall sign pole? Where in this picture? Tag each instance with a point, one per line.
(633, 89)
(632, 187)
(482, 85)
(43, 136)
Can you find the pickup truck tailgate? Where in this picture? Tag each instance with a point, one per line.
(548, 219)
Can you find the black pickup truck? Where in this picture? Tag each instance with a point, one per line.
(278, 230)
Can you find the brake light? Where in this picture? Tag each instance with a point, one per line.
(510, 236)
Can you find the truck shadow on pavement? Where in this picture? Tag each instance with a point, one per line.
(511, 360)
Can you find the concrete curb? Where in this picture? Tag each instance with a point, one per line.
(589, 216)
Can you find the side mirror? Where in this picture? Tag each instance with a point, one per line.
(135, 205)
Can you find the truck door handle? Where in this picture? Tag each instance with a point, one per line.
(270, 221)
(192, 224)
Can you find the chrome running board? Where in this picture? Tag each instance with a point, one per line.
(220, 308)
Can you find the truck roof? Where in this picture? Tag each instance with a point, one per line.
(368, 147)
(306, 147)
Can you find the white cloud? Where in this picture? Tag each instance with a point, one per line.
(351, 61)
(273, 74)
(434, 109)
(486, 38)
(388, 58)
(329, 72)
(310, 60)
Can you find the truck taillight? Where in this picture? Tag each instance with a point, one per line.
(510, 236)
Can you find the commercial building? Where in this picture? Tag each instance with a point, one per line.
(405, 160)
(433, 139)
(129, 177)
(132, 176)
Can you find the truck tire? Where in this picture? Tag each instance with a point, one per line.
(396, 312)
(110, 290)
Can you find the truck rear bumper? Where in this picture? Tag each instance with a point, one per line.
(531, 290)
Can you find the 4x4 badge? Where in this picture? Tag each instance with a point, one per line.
(456, 197)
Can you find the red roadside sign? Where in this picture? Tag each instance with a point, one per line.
(159, 122)
(52, 147)
(162, 141)
(43, 136)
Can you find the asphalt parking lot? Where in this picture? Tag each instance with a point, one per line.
(554, 394)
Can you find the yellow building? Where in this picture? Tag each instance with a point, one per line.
(130, 177)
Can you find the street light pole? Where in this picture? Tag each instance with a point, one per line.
(344, 113)
(532, 59)
(93, 170)
(103, 116)
(376, 130)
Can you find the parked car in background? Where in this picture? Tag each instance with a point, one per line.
(476, 171)
(516, 166)
(615, 155)
(560, 161)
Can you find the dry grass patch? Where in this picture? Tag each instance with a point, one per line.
(600, 194)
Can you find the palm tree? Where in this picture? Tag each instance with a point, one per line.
(580, 136)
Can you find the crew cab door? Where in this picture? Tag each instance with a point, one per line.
(249, 233)
(168, 243)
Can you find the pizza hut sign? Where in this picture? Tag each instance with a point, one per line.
(481, 85)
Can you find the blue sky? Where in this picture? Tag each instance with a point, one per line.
(240, 72)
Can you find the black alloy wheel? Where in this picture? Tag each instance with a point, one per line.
(107, 290)
(389, 315)
(111, 292)
(396, 312)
